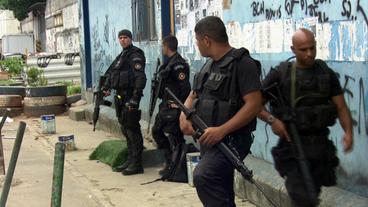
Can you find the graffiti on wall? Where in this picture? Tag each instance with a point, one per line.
(102, 51)
(349, 9)
(354, 89)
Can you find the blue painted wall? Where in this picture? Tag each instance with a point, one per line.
(104, 27)
(342, 38)
(265, 28)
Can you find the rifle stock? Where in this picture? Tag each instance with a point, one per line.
(155, 90)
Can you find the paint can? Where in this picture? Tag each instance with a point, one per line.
(193, 159)
(68, 140)
(48, 125)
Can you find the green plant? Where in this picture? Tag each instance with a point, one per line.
(65, 82)
(7, 82)
(36, 77)
(76, 89)
(14, 66)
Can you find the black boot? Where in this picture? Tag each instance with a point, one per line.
(125, 164)
(167, 155)
(133, 168)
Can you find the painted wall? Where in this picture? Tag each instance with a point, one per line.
(8, 23)
(105, 25)
(265, 28)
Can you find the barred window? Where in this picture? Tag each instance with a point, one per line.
(144, 20)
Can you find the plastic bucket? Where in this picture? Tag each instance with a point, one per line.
(48, 125)
(68, 140)
(192, 161)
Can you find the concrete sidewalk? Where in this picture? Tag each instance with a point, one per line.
(264, 174)
(86, 183)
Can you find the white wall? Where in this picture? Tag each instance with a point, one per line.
(8, 23)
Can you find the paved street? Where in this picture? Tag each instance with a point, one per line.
(86, 183)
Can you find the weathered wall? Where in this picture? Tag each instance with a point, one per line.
(63, 38)
(105, 25)
(265, 28)
(8, 23)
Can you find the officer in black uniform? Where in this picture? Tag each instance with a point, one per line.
(126, 76)
(313, 95)
(174, 74)
(228, 99)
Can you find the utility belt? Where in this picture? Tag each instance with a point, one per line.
(310, 140)
(167, 113)
(309, 118)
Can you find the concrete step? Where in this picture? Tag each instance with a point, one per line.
(270, 181)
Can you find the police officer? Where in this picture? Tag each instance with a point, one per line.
(228, 99)
(313, 93)
(174, 75)
(126, 76)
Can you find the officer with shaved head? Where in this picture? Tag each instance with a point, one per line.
(314, 99)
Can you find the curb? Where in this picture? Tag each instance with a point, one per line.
(264, 174)
(272, 183)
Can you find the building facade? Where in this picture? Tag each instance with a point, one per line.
(8, 23)
(62, 26)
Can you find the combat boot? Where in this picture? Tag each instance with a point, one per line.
(125, 164)
(134, 168)
(166, 168)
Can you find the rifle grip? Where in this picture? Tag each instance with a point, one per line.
(197, 134)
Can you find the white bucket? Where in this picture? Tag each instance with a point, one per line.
(192, 161)
(48, 125)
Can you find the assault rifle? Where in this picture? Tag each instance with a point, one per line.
(289, 120)
(200, 128)
(156, 84)
(99, 100)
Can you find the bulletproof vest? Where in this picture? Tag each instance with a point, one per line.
(219, 98)
(170, 79)
(307, 97)
(122, 74)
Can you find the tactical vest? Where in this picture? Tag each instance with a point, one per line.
(122, 74)
(170, 82)
(219, 97)
(308, 99)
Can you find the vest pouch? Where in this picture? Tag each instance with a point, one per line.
(124, 79)
(169, 114)
(115, 79)
(324, 84)
(205, 109)
(224, 112)
(315, 117)
(214, 81)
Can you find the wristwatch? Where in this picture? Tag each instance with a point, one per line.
(270, 119)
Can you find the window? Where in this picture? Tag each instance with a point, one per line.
(144, 20)
(58, 20)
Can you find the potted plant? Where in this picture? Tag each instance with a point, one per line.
(12, 66)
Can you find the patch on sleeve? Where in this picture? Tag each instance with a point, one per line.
(181, 76)
(137, 66)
